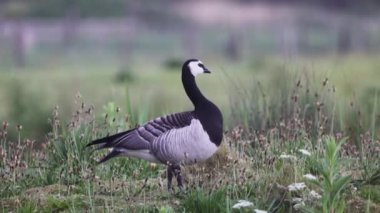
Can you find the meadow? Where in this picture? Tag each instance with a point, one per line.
(302, 135)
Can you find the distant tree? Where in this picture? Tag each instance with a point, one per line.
(153, 10)
(361, 6)
(59, 8)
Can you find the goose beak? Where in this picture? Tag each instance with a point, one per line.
(206, 71)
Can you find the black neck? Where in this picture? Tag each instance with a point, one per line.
(192, 89)
(208, 114)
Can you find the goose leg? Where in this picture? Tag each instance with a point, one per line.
(178, 175)
(169, 173)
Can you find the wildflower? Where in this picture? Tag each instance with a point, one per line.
(242, 204)
(284, 156)
(152, 166)
(299, 205)
(297, 200)
(310, 177)
(354, 189)
(305, 152)
(313, 194)
(296, 186)
(260, 211)
(136, 173)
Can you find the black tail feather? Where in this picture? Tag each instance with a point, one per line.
(113, 153)
(108, 141)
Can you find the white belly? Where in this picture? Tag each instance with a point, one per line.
(141, 154)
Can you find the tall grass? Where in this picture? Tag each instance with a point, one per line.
(249, 166)
(282, 132)
(27, 108)
(307, 104)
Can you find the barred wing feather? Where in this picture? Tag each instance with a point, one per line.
(141, 138)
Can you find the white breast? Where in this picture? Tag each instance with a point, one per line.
(186, 145)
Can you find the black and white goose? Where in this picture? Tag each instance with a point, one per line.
(181, 138)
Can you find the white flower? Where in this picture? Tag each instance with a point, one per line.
(299, 205)
(284, 156)
(305, 152)
(296, 186)
(354, 189)
(310, 177)
(313, 194)
(260, 211)
(242, 204)
(297, 200)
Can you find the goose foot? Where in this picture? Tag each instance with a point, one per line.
(175, 170)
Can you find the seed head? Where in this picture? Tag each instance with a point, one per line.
(5, 125)
(126, 118)
(89, 111)
(19, 127)
(325, 81)
(299, 83)
(295, 98)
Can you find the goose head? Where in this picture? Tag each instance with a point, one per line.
(195, 67)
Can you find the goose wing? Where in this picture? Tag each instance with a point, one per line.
(141, 138)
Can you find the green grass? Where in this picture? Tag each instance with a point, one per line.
(40, 88)
(263, 120)
(247, 167)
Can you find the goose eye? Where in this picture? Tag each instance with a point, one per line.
(201, 65)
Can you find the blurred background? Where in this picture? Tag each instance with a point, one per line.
(129, 53)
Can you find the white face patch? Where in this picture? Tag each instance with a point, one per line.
(194, 67)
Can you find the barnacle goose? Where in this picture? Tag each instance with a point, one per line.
(181, 138)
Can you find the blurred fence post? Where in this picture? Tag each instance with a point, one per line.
(69, 27)
(344, 43)
(361, 38)
(19, 47)
(2, 35)
(131, 23)
(290, 40)
(190, 34)
(234, 45)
